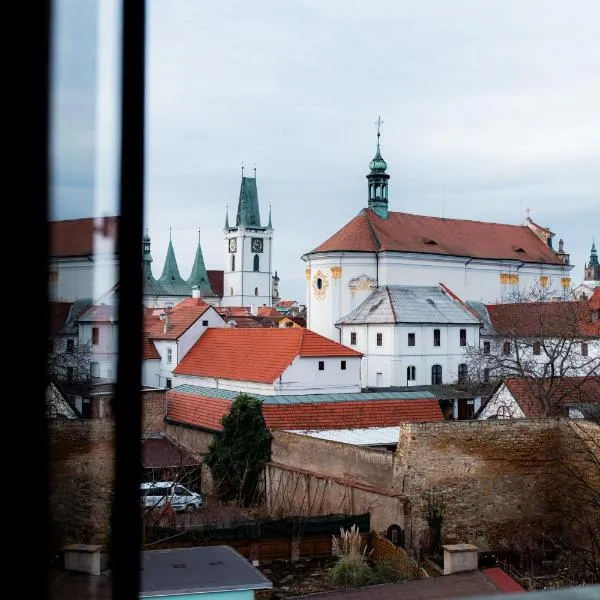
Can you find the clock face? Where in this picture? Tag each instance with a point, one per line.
(232, 245)
(257, 245)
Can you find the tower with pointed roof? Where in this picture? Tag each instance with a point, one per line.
(248, 252)
(592, 269)
(171, 281)
(199, 276)
(377, 180)
(152, 289)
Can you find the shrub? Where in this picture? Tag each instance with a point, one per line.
(352, 568)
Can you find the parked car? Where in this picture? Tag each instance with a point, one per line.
(156, 494)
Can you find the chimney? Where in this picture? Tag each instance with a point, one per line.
(195, 292)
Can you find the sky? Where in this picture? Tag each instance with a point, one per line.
(489, 109)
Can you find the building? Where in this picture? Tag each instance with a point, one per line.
(488, 262)
(411, 335)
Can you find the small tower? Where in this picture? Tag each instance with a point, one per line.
(248, 252)
(592, 269)
(170, 280)
(199, 276)
(377, 180)
(151, 286)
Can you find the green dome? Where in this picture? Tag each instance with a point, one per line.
(378, 165)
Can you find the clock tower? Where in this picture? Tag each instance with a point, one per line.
(248, 252)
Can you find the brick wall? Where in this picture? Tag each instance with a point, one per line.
(81, 481)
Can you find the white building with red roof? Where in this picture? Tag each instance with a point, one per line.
(488, 262)
(269, 361)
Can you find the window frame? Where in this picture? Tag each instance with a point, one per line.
(379, 339)
(353, 338)
(411, 339)
(437, 338)
(462, 337)
(436, 374)
(321, 365)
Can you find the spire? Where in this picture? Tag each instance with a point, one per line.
(151, 286)
(227, 216)
(248, 214)
(377, 180)
(199, 276)
(270, 223)
(170, 279)
(593, 255)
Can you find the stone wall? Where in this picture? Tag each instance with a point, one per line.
(81, 481)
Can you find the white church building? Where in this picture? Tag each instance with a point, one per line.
(482, 261)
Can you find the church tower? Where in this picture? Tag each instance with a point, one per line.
(198, 278)
(592, 269)
(248, 252)
(377, 180)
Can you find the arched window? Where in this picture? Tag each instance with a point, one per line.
(256, 291)
(463, 373)
(233, 262)
(411, 373)
(436, 375)
(256, 262)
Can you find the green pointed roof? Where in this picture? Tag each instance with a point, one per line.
(248, 214)
(378, 165)
(199, 276)
(170, 280)
(151, 287)
(593, 255)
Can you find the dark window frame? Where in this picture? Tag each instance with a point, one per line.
(343, 365)
(321, 365)
(412, 339)
(436, 375)
(437, 338)
(462, 334)
(379, 339)
(353, 338)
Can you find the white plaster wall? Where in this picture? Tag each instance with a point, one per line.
(188, 338)
(263, 389)
(81, 277)
(151, 372)
(469, 279)
(502, 399)
(166, 369)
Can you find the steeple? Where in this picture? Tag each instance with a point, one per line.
(151, 286)
(377, 180)
(270, 223)
(227, 217)
(199, 276)
(248, 214)
(593, 256)
(170, 279)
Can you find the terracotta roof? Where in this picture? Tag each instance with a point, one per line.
(75, 237)
(206, 412)
(215, 279)
(558, 391)
(58, 316)
(267, 311)
(332, 415)
(149, 350)
(404, 232)
(200, 411)
(159, 453)
(181, 317)
(543, 319)
(249, 354)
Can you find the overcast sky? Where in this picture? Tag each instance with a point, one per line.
(489, 108)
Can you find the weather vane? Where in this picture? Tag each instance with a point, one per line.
(379, 123)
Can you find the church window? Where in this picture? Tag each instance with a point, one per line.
(256, 262)
(436, 337)
(436, 375)
(319, 283)
(343, 365)
(353, 338)
(486, 347)
(463, 337)
(256, 291)
(506, 348)
(463, 373)
(411, 373)
(95, 336)
(233, 262)
(537, 348)
(411, 339)
(321, 365)
(584, 349)
(380, 339)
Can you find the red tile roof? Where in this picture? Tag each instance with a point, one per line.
(558, 392)
(149, 350)
(59, 311)
(267, 311)
(200, 411)
(75, 237)
(351, 415)
(206, 412)
(543, 319)
(249, 354)
(404, 232)
(181, 317)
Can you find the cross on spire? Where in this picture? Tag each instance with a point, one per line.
(379, 123)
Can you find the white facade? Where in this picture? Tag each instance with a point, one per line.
(502, 405)
(336, 282)
(151, 373)
(102, 336)
(305, 375)
(248, 267)
(74, 278)
(396, 363)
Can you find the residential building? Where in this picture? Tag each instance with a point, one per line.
(411, 335)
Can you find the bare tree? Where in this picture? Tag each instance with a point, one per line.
(552, 346)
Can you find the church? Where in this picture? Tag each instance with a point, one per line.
(476, 260)
(247, 279)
